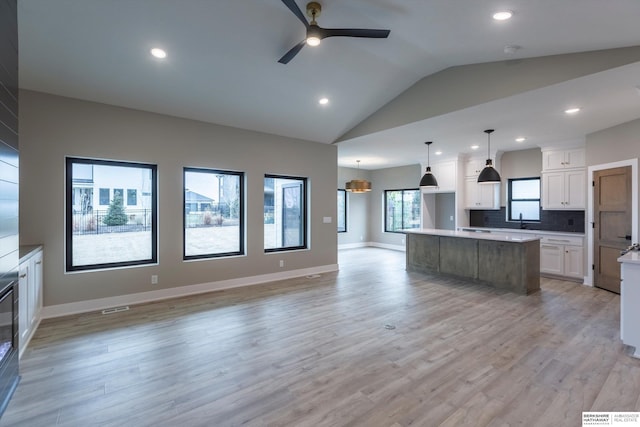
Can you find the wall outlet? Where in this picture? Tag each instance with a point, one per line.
(154, 279)
(403, 241)
(281, 263)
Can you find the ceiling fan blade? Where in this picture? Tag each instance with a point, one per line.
(355, 32)
(293, 7)
(292, 52)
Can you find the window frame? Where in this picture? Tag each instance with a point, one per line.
(100, 194)
(69, 267)
(241, 215)
(343, 192)
(510, 198)
(385, 222)
(304, 214)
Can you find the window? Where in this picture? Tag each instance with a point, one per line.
(524, 199)
(285, 213)
(401, 209)
(213, 213)
(104, 197)
(114, 235)
(342, 211)
(132, 197)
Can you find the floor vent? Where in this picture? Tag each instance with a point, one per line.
(313, 276)
(115, 309)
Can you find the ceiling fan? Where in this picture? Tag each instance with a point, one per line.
(315, 33)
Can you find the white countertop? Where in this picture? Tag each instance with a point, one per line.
(525, 231)
(631, 257)
(473, 235)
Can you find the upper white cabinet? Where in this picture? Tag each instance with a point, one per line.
(445, 173)
(564, 190)
(473, 167)
(563, 159)
(481, 196)
(563, 179)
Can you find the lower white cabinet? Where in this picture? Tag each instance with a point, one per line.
(562, 256)
(629, 301)
(29, 296)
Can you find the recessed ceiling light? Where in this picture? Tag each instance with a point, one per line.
(438, 153)
(158, 53)
(323, 101)
(521, 139)
(475, 147)
(572, 110)
(503, 15)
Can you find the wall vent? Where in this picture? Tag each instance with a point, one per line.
(115, 309)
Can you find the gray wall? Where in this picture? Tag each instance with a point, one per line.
(404, 177)
(357, 208)
(53, 127)
(614, 144)
(518, 164)
(445, 209)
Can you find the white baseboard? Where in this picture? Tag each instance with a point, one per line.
(354, 245)
(59, 310)
(401, 248)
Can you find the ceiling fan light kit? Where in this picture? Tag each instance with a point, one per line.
(316, 33)
(489, 174)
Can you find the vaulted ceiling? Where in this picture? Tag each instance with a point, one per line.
(221, 67)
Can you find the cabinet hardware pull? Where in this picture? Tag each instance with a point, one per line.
(22, 276)
(38, 262)
(559, 240)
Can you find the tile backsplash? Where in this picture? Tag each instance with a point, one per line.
(569, 221)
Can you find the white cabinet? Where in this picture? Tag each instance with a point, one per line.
(481, 196)
(445, 173)
(473, 167)
(564, 190)
(562, 256)
(630, 300)
(563, 159)
(29, 296)
(563, 179)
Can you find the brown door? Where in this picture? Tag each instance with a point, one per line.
(612, 226)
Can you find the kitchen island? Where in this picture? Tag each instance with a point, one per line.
(510, 262)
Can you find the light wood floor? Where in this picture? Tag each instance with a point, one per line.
(369, 346)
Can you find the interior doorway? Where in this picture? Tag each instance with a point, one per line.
(612, 225)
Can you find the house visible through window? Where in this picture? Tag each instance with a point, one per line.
(102, 232)
(524, 199)
(342, 211)
(401, 209)
(213, 213)
(285, 213)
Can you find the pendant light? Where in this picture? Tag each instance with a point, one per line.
(489, 175)
(358, 185)
(428, 179)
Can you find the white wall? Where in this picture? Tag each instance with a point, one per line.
(53, 127)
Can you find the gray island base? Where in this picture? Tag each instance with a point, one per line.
(505, 262)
